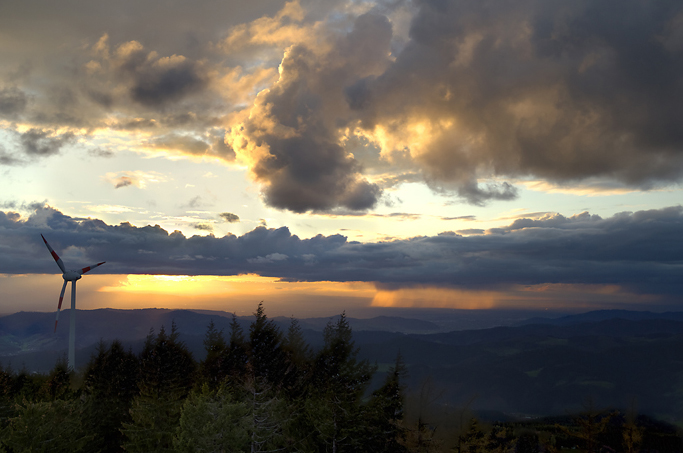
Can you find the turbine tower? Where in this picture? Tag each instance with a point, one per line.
(70, 275)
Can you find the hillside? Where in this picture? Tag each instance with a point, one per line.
(540, 368)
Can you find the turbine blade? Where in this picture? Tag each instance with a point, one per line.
(59, 307)
(89, 268)
(54, 255)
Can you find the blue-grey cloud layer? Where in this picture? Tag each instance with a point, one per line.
(641, 251)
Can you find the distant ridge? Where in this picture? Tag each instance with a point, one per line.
(603, 315)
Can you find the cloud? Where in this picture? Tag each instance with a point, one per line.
(476, 98)
(283, 29)
(13, 102)
(196, 202)
(181, 143)
(203, 226)
(638, 252)
(229, 217)
(150, 79)
(561, 92)
(101, 152)
(7, 158)
(123, 181)
(42, 143)
(290, 139)
(271, 258)
(138, 179)
(461, 217)
(469, 231)
(356, 98)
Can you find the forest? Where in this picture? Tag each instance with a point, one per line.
(266, 390)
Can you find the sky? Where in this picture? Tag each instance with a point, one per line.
(337, 155)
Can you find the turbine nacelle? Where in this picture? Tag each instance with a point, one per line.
(72, 275)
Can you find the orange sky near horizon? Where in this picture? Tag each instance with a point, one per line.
(241, 294)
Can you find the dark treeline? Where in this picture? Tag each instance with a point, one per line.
(265, 391)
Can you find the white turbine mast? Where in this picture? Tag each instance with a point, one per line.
(70, 275)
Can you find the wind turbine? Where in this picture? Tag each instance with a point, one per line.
(70, 275)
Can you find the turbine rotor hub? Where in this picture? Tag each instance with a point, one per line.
(71, 275)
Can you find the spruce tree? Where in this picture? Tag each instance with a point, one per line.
(267, 359)
(384, 414)
(213, 421)
(339, 382)
(166, 377)
(235, 357)
(110, 384)
(212, 370)
(46, 426)
(58, 383)
(297, 356)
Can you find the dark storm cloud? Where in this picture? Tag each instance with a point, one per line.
(230, 217)
(639, 251)
(559, 90)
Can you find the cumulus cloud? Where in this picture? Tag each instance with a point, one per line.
(291, 140)
(639, 252)
(229, 217)
(149, 79)
(562, 92)
(477, 94)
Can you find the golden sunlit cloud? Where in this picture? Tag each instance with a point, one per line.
(283, 29)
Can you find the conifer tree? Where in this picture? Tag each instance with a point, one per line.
(267, 359)
(213, 421)
(267, 419)
(339, 382)
(166, 377)
(297, 362)
(385, 413)
(58, 383)
(6, 395)
(110, 384)
(212, 370)
(474, 440)
(46, 426)
(235, 355)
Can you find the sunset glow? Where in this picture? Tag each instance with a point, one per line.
(455, 156)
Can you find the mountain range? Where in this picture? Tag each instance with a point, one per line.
(539, 366)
